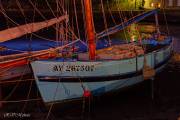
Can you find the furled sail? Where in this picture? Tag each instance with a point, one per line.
(21, 30)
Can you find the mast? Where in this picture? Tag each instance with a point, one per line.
(90, 29)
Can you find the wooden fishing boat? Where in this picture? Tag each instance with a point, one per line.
(99, 71)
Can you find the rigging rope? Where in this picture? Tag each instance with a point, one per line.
(43, 15)
(75, 12)
(105, 22)
(30, 87)
(15, 81)
(50, 8)
(110, 11)
(167, 27)
(28, 96)
(123, 25)
(54, 97)
(84, 19)
(17, 101)
(122, 20)
(13, 90)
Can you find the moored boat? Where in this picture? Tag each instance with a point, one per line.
(16, 54)
(99, 71)
(63, 79)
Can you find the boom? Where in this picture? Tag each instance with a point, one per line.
(21, 30)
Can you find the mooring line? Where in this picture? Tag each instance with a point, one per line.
(23, 100)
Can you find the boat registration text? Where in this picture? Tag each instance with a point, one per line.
(73, 68)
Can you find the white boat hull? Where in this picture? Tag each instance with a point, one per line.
(58, 81)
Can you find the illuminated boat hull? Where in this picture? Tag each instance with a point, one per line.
(67, 80)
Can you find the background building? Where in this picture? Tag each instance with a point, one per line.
(171, 4)
(147, 4)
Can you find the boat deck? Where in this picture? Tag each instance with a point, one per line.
(16, 47)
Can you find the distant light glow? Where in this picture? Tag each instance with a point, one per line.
(156, 4)
(152, 4)
(133, 38)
